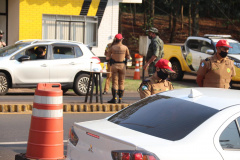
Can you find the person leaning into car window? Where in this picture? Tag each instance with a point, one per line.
(217, 70)
(157, 83)
(41, 53)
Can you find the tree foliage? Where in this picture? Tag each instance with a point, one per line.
(228, 10)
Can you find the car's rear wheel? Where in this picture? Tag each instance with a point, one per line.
(178, 76)
(81, 84)
(4, 85)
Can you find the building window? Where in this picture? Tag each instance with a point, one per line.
(77, 28)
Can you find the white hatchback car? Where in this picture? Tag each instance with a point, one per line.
(65, 62)
(184, 124)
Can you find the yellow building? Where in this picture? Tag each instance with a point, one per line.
(93, 22)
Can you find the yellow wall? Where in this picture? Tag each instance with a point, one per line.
(30, 18)
(93, 8)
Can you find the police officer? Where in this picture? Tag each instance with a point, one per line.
(2, 42)
(155, 51)
(217, 70)
(109, 75)
(118, 54)
(157, 83)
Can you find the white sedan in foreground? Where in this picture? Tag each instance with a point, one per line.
(184, 124)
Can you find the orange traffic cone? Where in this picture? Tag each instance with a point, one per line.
(45, 139)
(137, 71)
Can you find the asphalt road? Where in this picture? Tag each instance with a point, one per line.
(26, 96)
(22, 96)
(19, 96)
(14, 130)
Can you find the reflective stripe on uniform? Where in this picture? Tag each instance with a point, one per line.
(47, 113)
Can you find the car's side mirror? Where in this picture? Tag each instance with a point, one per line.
(24, 58)
(210, 51)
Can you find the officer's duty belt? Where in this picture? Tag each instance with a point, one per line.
(119, 62)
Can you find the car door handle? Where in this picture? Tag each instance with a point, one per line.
(43, 65)
(72, 63)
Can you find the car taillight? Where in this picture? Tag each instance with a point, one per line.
(96, 59)
(73, 138)
(133, 155)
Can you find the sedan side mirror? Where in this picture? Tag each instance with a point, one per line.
(24, 58)
(210, 51)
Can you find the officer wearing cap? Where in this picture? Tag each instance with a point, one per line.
(155, 51)
(217, 70)
(117, 55)
(157, 83)
(2, 42)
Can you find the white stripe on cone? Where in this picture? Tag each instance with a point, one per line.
(137, 70)
(47, 113)
(48, 99)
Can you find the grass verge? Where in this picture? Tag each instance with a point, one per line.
(132, 85)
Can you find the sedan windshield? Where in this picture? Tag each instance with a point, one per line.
(164, 117)
(6, 51)
(235, 49)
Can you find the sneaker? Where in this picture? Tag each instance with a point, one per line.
(105, 92)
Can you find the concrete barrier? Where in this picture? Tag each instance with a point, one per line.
(70, 108)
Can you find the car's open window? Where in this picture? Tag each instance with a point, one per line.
(229, 138)
(193, 44)
(35, 53)
(63, 52)
(205, 46)
(165, 117)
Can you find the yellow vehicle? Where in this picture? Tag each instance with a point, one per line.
(187, 57)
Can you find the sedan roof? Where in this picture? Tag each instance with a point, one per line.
(216, 98)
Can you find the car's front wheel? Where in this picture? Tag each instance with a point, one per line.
(178, 76)
(4, 85)
(81, 84)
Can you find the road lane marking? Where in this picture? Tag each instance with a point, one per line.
(23, 142)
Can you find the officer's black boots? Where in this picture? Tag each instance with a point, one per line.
(120, 94)
(114, 94)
